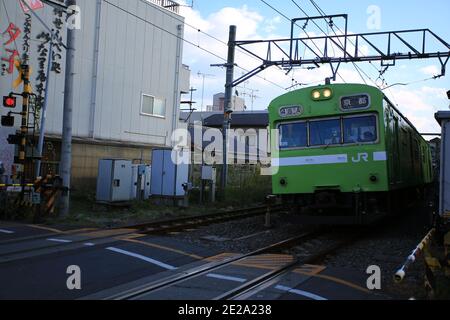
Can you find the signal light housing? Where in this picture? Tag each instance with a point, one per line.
(9, 102)
(14, 139)
(7, 121)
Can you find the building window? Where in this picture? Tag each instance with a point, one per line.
(152, 106)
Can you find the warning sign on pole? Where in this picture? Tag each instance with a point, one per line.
(33, 4)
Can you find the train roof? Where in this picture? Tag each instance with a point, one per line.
(308, 89)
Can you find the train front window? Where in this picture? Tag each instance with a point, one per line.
(360, 129)
(325, 132)
(293, 135)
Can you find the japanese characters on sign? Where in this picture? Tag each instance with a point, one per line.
(291, 111)
(58, 23)
(44, 39)
(16, 46)
(9, 48)
(26, 37)
(361, 101)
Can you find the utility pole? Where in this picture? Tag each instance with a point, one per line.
(66, 146)
(204, 76)
(190, 103)
(228, 110)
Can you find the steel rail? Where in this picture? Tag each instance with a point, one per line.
(253, 287)
(156, 227)
(136, 293)
(164, 226)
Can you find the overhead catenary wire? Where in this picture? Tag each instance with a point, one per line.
(408, 83)
(380, 72)
(352, 43)
(287, 18)
(322, 13)
(164, 11)
(388, 88)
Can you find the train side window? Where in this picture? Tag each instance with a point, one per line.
(293, 135)
(325, 132)
(360, 129)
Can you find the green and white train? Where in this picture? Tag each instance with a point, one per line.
(345, 154)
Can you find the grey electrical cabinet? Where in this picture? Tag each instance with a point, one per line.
(140, 184)
(147, 182)
(114, 180)
(134, 181)
(169, 172)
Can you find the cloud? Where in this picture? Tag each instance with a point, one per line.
(250, 24)
(420, 105)
(436, 92)
(272, 24)
(430, 70)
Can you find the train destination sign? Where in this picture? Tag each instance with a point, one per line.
(291, 111)
(361, 101)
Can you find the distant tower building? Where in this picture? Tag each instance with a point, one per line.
(238, 104)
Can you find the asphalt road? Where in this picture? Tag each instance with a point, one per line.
(34, 262)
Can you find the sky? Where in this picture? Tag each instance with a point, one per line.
(255, 20)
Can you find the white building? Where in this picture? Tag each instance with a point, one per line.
(128, 81)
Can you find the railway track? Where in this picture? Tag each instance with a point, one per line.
(135, 293)
(155, 227)
(251, 287)
(180, 224)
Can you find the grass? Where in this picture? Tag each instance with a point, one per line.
(84, 212)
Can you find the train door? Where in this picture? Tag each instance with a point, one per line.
(420, 156)
(397, 163)
(415, 159)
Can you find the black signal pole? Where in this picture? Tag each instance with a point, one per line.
(228, 108)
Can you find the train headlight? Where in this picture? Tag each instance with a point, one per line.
(322, 94)
(327, 93)
(316, 95)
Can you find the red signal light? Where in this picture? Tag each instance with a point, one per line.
(9, 102)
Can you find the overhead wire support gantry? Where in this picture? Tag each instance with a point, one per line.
(286, 53)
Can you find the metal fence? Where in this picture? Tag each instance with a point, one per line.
(168, 4)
